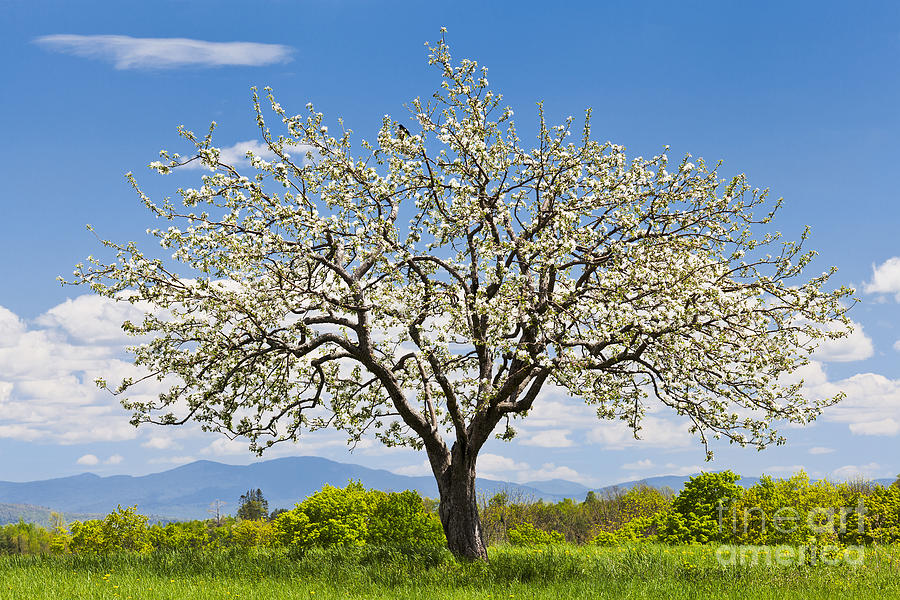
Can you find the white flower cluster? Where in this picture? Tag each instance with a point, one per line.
(431, 286)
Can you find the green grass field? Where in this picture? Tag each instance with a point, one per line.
(641, 571)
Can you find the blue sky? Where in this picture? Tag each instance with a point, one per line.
(802, 97)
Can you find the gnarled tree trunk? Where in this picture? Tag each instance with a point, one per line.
(459, 507)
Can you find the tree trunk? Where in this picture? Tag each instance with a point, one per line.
(459, 510)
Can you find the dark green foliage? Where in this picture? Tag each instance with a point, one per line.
(24, 538)
(253, 506)
(698, 509)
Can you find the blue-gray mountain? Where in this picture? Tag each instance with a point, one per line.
(186, 492)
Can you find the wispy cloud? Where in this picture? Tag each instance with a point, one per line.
(236, 155)
(126, 52)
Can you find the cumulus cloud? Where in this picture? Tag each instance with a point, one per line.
(872, 404)
(562, 416)
(93, 319)
(11, 328)
(655, 432)
(820, 450)
(126, 52)
(226, 447)
(551, 438)
(850, 472)
(416, 470)
(88, 459)
(856, 346)
(495, 466)
(882, 427)
(47, 373)
(115, 459)
(161, 443)
(885, 278)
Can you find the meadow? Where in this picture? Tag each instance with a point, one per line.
(560, 571)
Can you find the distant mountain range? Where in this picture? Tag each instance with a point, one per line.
(186, 492)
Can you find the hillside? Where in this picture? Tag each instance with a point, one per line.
(13, 513)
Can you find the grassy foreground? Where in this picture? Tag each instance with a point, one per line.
(640, 571)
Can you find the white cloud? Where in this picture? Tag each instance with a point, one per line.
(494, 463)
(820, 450)
(115, 459)
(417, 470)
(897, 345)
(885, 278)
(639, 471)
(639, 465)
(655, 432)
(11, 328)
(494, 466)
(226, 447)
(127, 52)
(850, 472)
(236, 155)
(872, 404)
(856, 346)
(684, 470)
(88, 459)
(47, 374)
(882, 427)
(157, 442)
(551, 438)
(93, 319)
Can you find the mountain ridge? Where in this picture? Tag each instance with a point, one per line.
(186, 491)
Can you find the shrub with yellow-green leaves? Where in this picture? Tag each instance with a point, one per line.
(526, 534)
(354, 516)
(786, 511)
(122, 529)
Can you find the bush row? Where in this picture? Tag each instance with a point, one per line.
(331, 518)
(713, 508)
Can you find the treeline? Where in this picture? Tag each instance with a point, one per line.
(332, 517)
(711, 508)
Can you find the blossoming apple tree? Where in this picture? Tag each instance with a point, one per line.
(426, 287)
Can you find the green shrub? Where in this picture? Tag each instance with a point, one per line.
(25, 538)
(353, 516)
(697, 509)
(526, 534)
(122, 529)
(189, 535)
(786, 511)
(253, 534)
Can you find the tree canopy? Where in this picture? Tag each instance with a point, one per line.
(425, 287)
(253, 506)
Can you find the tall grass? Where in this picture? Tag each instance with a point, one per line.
(636, 571)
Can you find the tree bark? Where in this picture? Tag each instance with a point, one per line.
(459, 508)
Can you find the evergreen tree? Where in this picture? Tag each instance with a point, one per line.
(253, 506)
